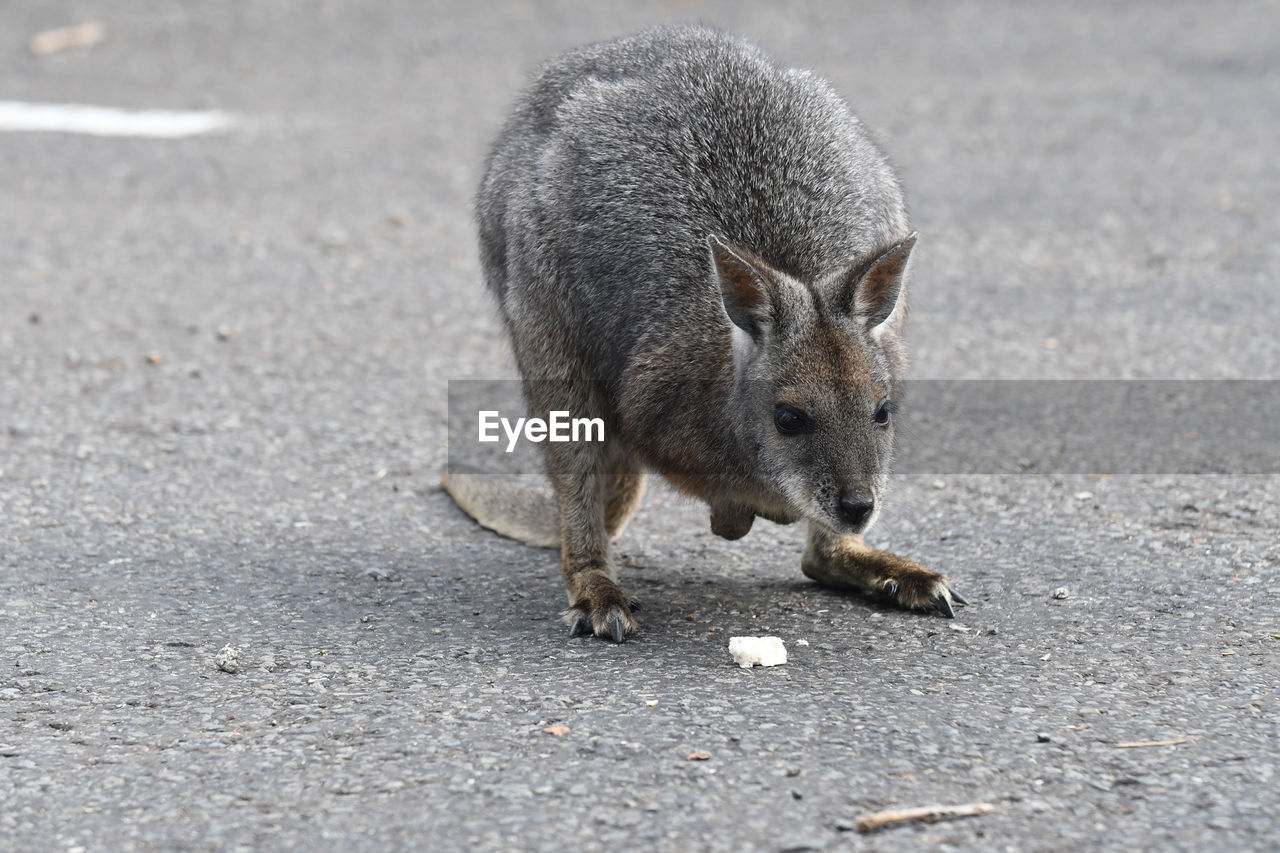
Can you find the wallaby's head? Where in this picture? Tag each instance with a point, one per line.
(816, 376)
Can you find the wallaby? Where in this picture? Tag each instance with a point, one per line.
(703, 248)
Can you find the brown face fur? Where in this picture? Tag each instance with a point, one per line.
(812, 348)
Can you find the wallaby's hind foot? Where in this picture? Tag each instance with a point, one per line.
(601, 608)
(846, 564)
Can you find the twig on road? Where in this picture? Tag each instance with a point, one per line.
(81, 35)
(1138, 743)
(876, 820)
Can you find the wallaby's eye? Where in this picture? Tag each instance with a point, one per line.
(884, 412)
(791, 421)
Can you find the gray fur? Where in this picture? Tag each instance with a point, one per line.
(682, 234)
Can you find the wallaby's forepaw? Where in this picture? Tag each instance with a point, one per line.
(865, 570)
(914, 587)
(603, 610)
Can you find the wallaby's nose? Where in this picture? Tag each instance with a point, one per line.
(856, 507)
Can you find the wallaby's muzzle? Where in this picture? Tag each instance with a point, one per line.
(855, 509)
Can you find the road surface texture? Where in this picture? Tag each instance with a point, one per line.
(223, 366)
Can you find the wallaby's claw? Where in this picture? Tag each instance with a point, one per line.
(606, 621)
(916, 588)
(616, 631)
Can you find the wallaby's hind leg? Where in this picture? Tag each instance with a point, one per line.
(597, 604)
(592, 503)
(623, 490)
(845, 563)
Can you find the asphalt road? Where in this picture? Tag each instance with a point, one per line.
(222, 409)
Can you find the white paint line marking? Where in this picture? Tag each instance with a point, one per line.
(108, 121)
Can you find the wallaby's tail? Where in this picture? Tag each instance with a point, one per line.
(521, 506)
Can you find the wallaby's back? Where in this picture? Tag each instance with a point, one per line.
(622, 157)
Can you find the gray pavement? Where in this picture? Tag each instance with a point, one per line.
(222, 409)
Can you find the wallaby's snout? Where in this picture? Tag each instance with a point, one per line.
(855, 508)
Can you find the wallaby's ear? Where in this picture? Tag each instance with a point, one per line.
(744, 287)
(870, 291)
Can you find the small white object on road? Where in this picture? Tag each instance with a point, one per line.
(108, 121)
(757, 651)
